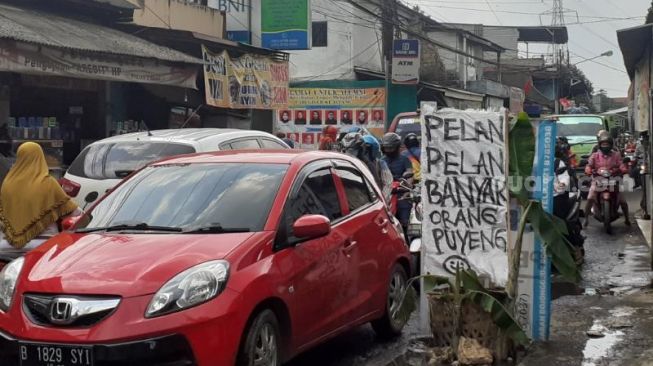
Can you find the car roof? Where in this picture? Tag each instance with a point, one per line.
(574, 115)
(255, 157)
(187, 135)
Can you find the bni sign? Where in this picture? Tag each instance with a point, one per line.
(405, 61)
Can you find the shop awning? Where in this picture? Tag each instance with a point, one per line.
(35, 42)
(634, 43)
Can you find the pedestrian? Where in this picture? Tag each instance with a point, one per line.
(32, 204)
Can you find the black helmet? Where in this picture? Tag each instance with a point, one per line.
(391, 142)
(411, 141)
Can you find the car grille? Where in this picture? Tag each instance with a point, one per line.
(76, 312)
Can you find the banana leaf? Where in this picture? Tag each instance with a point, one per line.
(552, 230)
(522, 155)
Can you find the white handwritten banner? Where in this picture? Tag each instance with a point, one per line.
(464, 192)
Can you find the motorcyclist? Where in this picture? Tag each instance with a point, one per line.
(602, 135)
(399, 166)
(568, 156)
(413, 152)
(606, 157)
(328, 142)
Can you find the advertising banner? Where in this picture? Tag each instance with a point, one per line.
(54, 62)
(405, 61)
(246, 82)
(465, 193)
(312, 109)
(285, 25)
(533, 307)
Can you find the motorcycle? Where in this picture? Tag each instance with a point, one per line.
(414, 232)
(632, 162)
(606, 209)
(400, 191)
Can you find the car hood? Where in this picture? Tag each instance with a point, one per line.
(114, 264)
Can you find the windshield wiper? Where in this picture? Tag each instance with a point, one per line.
(132, 227)
(215, 229)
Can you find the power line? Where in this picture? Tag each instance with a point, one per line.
(523, 13)
(493, 12)
(342, 64)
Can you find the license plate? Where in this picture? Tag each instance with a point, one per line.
(55, 355)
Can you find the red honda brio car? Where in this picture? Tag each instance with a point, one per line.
(231, 258)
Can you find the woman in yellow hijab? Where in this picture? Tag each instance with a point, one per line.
(31, 201)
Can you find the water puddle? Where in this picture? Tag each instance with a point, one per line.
(597, 349)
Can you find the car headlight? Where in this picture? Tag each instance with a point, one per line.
(8, 279)
(190, 288)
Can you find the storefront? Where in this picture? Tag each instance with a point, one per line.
(65, 83)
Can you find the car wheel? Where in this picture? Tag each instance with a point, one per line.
(263, 342)
(389, 326)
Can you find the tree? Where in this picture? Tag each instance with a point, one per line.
(649, 16)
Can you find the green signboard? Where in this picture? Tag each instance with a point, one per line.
(285, 24)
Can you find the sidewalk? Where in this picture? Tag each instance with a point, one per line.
(645, 227)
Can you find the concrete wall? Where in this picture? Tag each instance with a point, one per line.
(179, 15)
(457, 67)
(354, 40)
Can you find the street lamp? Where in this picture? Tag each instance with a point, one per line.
(604, 54)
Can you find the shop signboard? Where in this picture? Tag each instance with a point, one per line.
(405, 61)
(54, 62)
(286, 25)
(238, 14)
(246, 82)
(310, 110)
(465, 192)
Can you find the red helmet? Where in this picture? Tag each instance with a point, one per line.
(330, 131)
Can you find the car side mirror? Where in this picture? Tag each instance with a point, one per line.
(311, 227)
(583, 163)
(69, 222)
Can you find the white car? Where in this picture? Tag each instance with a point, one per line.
(103, 164)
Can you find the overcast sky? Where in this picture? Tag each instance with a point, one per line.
(595, 36)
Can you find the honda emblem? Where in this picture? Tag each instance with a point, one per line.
(61, 311)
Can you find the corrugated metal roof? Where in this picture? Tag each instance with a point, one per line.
(46, 29)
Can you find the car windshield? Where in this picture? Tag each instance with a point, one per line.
(576, 126)
(409, 125)
(116, 160)
(229, 197)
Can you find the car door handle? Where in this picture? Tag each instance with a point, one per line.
(349, 246)
(382, 221)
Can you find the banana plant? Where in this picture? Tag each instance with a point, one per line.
(464, 287)
(552, 230)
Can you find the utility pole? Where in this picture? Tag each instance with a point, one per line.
(388, 15)
(559, 52)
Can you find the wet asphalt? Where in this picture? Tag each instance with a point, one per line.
(608, 318)
(614, 301)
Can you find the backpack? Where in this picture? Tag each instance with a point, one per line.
(417, 166)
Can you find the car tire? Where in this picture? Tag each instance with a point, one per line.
(387, 327)
(262, 343)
